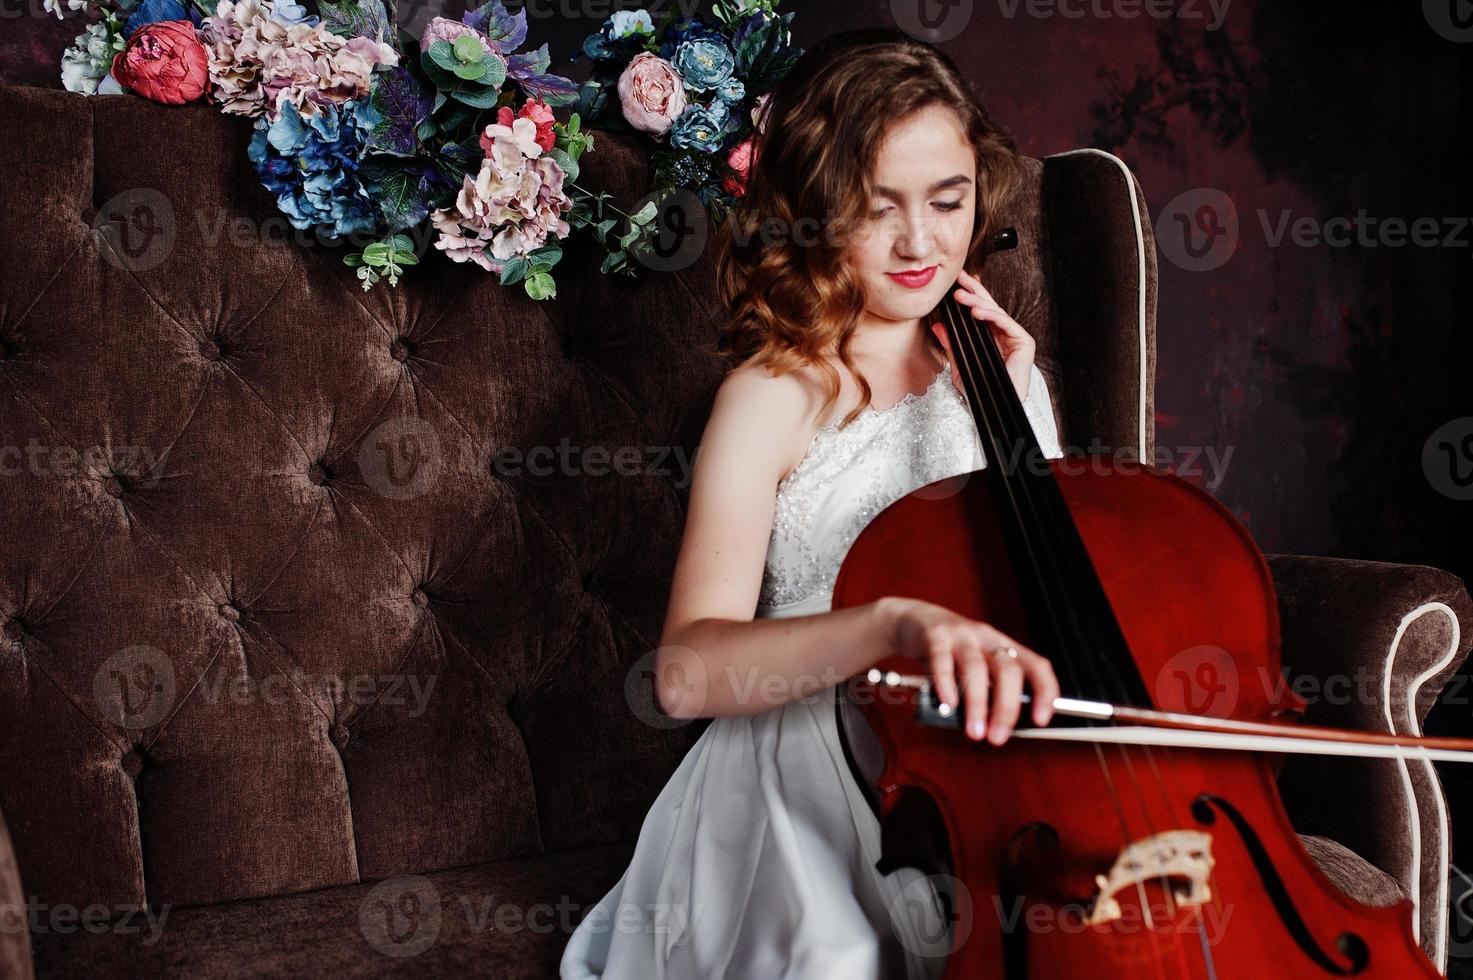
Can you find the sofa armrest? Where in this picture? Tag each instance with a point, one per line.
(1370, 646)
(15, 935)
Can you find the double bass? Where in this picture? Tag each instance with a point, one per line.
(1132, 836)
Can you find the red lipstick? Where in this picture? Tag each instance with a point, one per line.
(914, 279)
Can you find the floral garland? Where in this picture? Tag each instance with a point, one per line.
(364, 132)
(695, 88)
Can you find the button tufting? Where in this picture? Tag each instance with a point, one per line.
(229, 611)
(132, 763)
(6, 351)
(319, 473)
(114, 486)
(340, 735)
(401, 349)
(15, 630)
(209, 350)
(421, 598)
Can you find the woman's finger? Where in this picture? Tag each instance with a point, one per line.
(972, 670)
(1007, 696)
(1043, 684)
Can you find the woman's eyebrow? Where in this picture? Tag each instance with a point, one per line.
(938, 186)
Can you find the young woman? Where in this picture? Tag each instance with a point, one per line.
(877, 176)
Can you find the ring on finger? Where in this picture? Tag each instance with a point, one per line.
(1008, 650)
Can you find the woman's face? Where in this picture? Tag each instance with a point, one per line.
(920, 217)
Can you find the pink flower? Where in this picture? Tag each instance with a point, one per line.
(164, 62)
(740, 160)
(510, 208)
(536, 110)
(650, 93)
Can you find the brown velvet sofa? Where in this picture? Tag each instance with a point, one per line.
(305, 671)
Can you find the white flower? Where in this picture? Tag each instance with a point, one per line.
(88, 60)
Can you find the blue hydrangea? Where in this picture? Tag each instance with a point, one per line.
(686, 29)
(311, 165)
(703, 128)
(153, 11)
(704, 63)
(731, 90)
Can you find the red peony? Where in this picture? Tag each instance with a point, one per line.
(537, 111)
(165, 62)
(740, 160)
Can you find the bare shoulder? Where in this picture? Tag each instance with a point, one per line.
(756, 407)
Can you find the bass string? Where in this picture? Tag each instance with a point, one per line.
(1012, 426)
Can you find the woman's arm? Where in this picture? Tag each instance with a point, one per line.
(715, 660)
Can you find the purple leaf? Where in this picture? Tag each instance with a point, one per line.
(404, 102)
(507, 30)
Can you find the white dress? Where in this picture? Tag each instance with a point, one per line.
(757, 859)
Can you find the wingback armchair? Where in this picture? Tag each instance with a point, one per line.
(328, 616)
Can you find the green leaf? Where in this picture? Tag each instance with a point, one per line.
(353, 259)
(481, 98)
(376, 254)
(644, 214)
(547, 256)
(467, 48)
(402, 243)
(407, 258)
(540, 286)
(512, 271)
(569, 165)
(470, 71)
(442, 54)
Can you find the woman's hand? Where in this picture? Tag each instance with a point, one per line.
(1013, 341)
(958, 648)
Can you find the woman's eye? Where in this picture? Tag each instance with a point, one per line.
(950, 207)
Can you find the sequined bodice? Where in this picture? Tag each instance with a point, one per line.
(851, 474)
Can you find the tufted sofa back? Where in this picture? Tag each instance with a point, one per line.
(303, 585)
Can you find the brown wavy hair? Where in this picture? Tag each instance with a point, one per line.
(790, 297)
